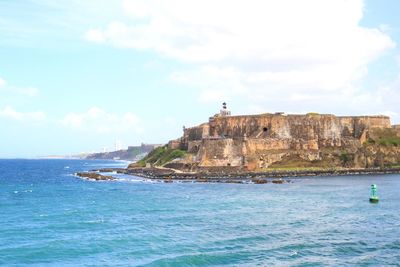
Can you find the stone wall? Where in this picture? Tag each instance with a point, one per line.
(221, 152)
(397, 129)
(294, 126)
(257, 141)
(308, 127)
(175, 144)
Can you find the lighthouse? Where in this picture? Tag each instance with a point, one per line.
(224, 111)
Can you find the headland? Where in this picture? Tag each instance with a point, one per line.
(276, 145)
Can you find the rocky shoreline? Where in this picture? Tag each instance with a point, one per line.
(234, 176)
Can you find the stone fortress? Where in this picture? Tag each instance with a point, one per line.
(258, 142)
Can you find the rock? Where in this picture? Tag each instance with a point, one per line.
(107, 170)
(233, 181)
(95, 176)
(259, 181)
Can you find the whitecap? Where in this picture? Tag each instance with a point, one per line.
(294, 253)
(95, 221)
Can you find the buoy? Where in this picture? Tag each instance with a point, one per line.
(374, 195)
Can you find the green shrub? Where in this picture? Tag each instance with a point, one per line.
(384, 137)
(389, 142)
(344, 157)
(161, 156)
(171, 155)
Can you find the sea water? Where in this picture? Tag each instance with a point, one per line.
(48, 217)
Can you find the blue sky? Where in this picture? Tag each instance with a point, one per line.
(76, 75)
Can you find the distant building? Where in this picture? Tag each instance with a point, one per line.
(118, 145)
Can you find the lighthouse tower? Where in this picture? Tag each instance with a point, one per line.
(224, 111)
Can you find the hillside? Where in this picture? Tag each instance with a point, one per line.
(133, 153)
(268, 142)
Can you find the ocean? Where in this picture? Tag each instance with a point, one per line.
(48, 217)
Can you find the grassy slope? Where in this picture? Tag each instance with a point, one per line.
(341, 158)
(384, 137)
(161, 156)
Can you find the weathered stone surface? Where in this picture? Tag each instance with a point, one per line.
(256, 142)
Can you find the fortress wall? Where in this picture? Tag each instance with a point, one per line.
(374, 121)
(315, 127)
(347, 126)
(274, 132)
(308, 127)
(221, 152)
(194, 146)
(254, 146)
(194, 133)
(257, 141)
(238, 126)
(277, 126)
(357, 124)
(397, 129)
(251, 153)
(174, 144)
(197, 133)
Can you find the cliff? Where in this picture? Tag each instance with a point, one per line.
(277, 141)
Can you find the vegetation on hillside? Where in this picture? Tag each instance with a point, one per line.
(384, 137)
(294, 162)
(161, 156)
(132, 153)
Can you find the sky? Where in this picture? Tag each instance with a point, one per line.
(77, 75)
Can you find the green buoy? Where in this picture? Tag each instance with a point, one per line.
(374, 195)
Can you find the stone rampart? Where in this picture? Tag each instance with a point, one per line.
(257, 141)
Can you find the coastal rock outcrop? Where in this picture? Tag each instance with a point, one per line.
(278, 141)
(259, 142)
(95, 176)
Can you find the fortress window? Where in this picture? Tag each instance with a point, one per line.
(265, 129)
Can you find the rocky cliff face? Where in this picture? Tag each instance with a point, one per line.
(277, 141)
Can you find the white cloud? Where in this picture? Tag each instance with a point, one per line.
(10, 113)
(94, 35)
(97, 120)
(136, 8)
(26, 91)
(263, 52)
(270, 33)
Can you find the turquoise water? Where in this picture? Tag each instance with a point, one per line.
(50, 218)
